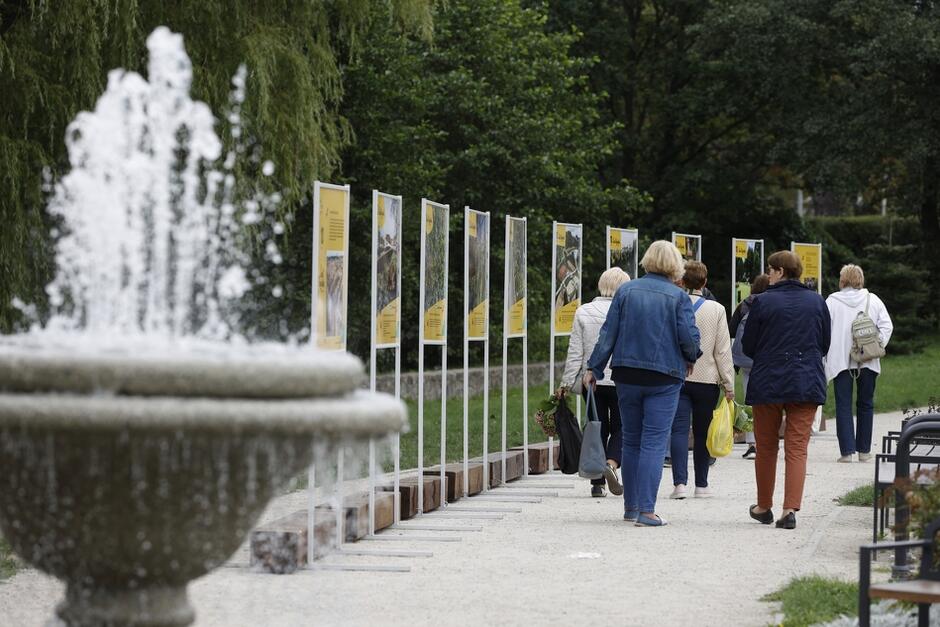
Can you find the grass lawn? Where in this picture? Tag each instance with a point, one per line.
(814, 599)
(862, 496)
(7, 562)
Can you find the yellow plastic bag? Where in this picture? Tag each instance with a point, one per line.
(720, 438)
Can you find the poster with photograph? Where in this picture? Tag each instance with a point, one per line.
(516, 277)
(387, 269)
(623, 250)
(811, 257)
(331, 224)
(434, 250)
(689, 245)
(478, 272)
(566, 276)
(747, 263)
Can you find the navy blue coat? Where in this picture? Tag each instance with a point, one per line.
(787, 336)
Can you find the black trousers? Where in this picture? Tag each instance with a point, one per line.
(608, 410)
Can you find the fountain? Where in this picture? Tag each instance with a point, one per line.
(140, 435)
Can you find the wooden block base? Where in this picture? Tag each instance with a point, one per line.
(408, 488)
(515, 460)
(538, 456)
(453, 475)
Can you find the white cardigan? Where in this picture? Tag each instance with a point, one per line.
(715, 364)
(844, 305)
(588, 320)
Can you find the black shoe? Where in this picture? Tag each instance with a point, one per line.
(750, 453)
(765, 519)
(597, 491)
(711, 461)
(787, 522)
(667, 463)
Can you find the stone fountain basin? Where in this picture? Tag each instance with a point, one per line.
(129, 497)
(132, 492)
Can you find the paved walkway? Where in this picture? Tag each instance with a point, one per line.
(569, 560)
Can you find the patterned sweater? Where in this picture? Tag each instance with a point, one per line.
(715, 365)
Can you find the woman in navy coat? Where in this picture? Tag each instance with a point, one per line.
(787, 336)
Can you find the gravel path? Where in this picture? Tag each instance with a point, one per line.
(569, 560)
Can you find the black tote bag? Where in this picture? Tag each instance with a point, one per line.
(569, 436)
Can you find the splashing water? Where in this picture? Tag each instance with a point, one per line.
(150, 240)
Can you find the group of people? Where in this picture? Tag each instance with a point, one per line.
(659, 353)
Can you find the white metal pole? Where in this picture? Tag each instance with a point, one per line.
(466, 356)
(373, 352)
(396, 439)
(551, 334)
(338, 492)
(607, 244)
(486, 361)
(525, 351)
(506, 297)
(311, 514)
(421, 306)
(444, 351)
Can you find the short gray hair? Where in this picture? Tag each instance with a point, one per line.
(851, 276)
(664, 258)
(611, 280)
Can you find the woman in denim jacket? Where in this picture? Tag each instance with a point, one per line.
(651, 341)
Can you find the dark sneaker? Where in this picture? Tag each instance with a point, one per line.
(667, 463)
(750, 453)
(613, 483)
(597, 491)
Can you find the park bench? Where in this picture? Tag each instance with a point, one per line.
(924, 590)
(923, 452)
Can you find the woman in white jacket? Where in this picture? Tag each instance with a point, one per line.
(588, 320)
(844, 306)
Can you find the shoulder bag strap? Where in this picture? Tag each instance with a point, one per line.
(591, 405)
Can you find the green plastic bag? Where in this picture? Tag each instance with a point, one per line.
(720, 438)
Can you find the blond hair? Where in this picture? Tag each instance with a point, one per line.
(851, 276)
(611, 280)
(664, 258)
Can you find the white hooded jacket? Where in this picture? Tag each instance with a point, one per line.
(844, 306)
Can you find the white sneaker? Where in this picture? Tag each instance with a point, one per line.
(864, 457)
(846, 459)
(678, 492)
(703, 493)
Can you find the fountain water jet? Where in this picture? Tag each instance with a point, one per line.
(136, 448)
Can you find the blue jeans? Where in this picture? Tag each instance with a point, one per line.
(852, 439)
(696, 403)
(646, 413)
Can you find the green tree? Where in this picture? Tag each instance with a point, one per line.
(54, 59)
(496, 114)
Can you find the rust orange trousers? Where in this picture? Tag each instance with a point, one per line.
(798, 429)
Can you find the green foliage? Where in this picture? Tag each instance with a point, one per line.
(54, 59)
(815, 599)
(495, 114)
(8, 563)
(862, 496)
(895, 269)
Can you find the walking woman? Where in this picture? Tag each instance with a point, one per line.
(736, 328)
(844, 307)
(787, 336)
(651, 341)
(712, 377)
(588, 319)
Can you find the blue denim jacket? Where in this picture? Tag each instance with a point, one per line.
(650, 325)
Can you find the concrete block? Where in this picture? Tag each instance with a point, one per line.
(280, 546)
